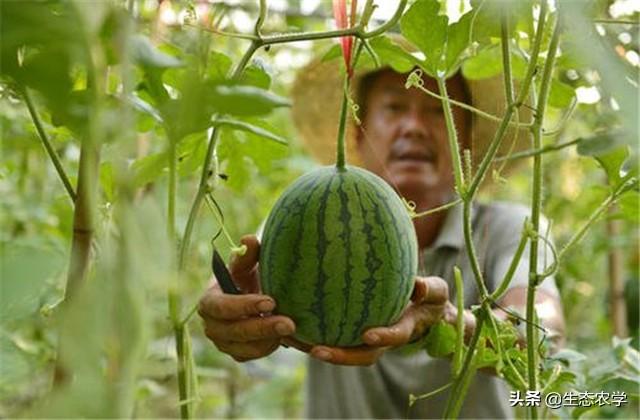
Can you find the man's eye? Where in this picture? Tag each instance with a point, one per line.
(395, 106)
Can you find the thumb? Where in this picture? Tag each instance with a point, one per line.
(244, 268)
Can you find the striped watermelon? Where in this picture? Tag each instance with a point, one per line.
(338, 254)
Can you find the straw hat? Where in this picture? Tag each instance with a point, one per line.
(317, 96)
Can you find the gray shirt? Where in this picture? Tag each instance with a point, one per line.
(382, 390)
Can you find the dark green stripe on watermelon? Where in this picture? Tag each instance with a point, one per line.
(339, 255)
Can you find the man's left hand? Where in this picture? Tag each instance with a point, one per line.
(429, 304)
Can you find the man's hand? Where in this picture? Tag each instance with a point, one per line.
(429, 304)
(241, 325)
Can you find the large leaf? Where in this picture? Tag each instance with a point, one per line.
(146, 54)
(25, 272)
(393, 55)
(486, 25)
(256, 75)
(561, 94)
(488, 63)
(244, 100)
(442, 44)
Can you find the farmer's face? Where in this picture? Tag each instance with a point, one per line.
(403, 137)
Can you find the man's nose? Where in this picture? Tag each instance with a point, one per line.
(414, 123)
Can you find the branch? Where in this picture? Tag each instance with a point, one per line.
(55, 159)
(438, 209)
(621, 189)
(540, 151)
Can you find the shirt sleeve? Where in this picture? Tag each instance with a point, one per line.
(508, 223)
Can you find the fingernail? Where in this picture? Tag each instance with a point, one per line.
(283, 328)
(373, 338)
(265, 305)
(322, 355)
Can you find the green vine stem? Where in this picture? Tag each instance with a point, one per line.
(533, 60)
(438, 209)
(543, 150)
(84, 213)
(342, 127)
(504, 284)
(458, 353)
(453, 139)
(456, 397)
(55, 159)
(536, 209)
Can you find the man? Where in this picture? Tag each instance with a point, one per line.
(403, 139)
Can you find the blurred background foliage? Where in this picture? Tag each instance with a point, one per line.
(117, 334)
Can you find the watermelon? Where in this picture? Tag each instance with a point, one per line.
(338, 255)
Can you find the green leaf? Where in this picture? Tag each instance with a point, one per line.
(25, 272)
(561, 94)
(441, 340)
(612, 164)
(393, 55)
(569, 357)
(424, 27)
(218, 66)
(149, 168)
(233, 161)
(244, 126)
(191, 151)
(146, 54)
(442, 44)
(256, 75)
(106, 180)
(601, 143)
(332, 53)
(488, 63)
(486, 26)
(245, 100)
(629, 203)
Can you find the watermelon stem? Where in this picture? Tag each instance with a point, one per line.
(342, 128)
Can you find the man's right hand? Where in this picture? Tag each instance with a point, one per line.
(242, 325)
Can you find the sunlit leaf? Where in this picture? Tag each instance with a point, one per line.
(393, 55)
(218, 66)
(256, 75)
(488, 63)
(442, 43)
(561, 94)
(145, 53)
(244, 126)
(245, 100)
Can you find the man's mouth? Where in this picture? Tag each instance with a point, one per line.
(413, 155)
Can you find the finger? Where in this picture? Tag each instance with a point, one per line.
(242, 352)
(244, 268)
(437, 290)
(419, 290)
(251, 329)
(216, 305)
(356, 356)
(414, 322)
